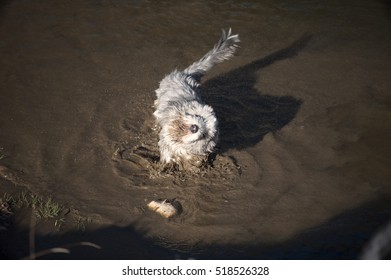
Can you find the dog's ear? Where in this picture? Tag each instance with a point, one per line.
(178, 129)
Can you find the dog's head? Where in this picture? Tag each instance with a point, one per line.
(196, 128)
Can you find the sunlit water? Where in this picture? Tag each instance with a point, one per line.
(302, 169)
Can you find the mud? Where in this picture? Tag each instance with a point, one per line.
(303, 166)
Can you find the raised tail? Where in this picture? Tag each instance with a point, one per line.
(223, 50)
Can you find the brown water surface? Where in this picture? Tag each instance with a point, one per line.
(303, 168)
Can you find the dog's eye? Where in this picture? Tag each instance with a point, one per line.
(193, 128)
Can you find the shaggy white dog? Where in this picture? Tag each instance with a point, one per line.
(189, 130)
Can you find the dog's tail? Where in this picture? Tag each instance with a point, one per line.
(223, 50)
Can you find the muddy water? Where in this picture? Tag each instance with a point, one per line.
(302, 169)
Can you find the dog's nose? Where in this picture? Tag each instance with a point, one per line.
(193, 128)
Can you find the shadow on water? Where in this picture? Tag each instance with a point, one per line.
(387, 3)
(342, 237)
(246, 115)
(4, 4)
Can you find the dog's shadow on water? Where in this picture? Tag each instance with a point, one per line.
(246, 115)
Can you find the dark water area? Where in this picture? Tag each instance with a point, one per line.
(303, 165)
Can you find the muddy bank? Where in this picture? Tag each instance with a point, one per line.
(304, 110)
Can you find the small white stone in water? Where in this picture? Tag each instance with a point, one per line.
(167, 208)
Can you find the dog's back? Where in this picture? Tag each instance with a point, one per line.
(185, 83)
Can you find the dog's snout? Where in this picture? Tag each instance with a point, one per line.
(193, 128)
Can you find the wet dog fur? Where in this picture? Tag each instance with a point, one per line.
(188, 127)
